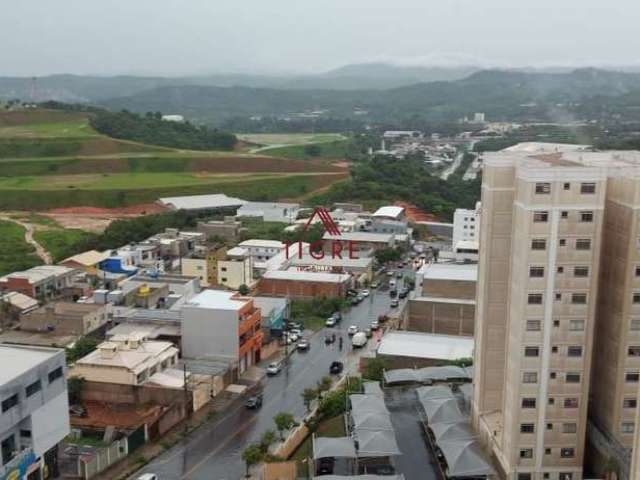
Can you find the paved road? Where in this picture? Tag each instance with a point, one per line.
(213, 452)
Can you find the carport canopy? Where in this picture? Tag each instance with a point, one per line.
(371, 421)
(442, 410)
(465, 459)
(333, 447)
(373, 443)
(437, 391)
(446, 432)
(368, 403)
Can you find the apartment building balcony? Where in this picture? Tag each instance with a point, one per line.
(249, 322)
(251, 343)
(19, 463)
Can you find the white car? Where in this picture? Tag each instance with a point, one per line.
(292, 337)
(148, 476)
(352, 330)
(274, 368)
(295, 331)
(365, 293)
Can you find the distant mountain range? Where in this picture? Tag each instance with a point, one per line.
(386, 92)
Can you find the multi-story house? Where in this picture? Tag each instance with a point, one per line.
(34, 416)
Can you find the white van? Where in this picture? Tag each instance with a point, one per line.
(359, 340)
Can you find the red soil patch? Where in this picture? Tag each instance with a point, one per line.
(142, 209)
(101, 415)
(415, 214)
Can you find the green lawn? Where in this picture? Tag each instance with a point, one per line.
(15, 253)
(62, 243)
(69, 129)
(333, 150)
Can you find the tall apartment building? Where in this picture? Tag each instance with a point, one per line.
(541, 230)
(466, 225)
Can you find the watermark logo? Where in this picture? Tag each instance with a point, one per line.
(330, 226)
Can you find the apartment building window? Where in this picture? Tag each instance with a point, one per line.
(634, 351)
(571, 402)
(576, 325)
(554, 349)
(587, 188)
(551, 401)
(9, 403)
(549, 426)
(567, 186)
(630, 402)
(569, 428)
(528, 403)
(567, 452)
(635, 324)
(526, 453)
(562, 242)
(564, 214)
(565, 476)
(543, 188)
(547, 451)
(530, 377)
(527, 428)
(536, 272)
(580, 271)
(541, 216)
(637, 270)
(538, 244)
(560, 270)
(556, 323)
(33, 388)
(579, 298)
(636, 297)
(55, 374)
(224, 269)
(583, 244)
(553, 375)
(140, 378)
(572, 377)
(25, 433)
(586, 216)
(535, 299)
(627, 427)
(524, 476)
(574, 351)
(531, 351)
(558, 297)
(8, 448)
(533, 325)
(632, 377)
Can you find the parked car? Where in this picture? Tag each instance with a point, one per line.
(254, 402)
(351, 292)
(365, 293)
(274, 368)
(148, 476)
(374, 285)
(403, 293)
(390, 273)
(295, 331)
(360, 297)
(355, 301)
(374, 326)
(292, 337)
(337, 316)
(331, 321)
(394, 303)
(392, 283)
(325, 465)
(303, 345)
(352, 330)
(359, 340)
(336, 368)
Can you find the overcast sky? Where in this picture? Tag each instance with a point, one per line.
(175, 37)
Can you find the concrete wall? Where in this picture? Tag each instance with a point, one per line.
(442, 318)
(297, 289)
(209, 333)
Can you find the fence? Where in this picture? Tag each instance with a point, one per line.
(89, 465)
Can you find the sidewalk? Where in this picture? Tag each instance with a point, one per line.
(134, 461)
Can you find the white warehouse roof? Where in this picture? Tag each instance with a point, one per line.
(299, 276)
(202, 202)
(426, 345)
(389, 211)
(467, 272)
(217, 299)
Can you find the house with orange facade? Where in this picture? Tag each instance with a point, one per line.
(224, 326)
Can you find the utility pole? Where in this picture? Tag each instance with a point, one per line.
(186, 398)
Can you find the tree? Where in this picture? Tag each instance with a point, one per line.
(74, 389)
(252, 455)
(324, 385)
(374, 369)
(312, 150)
(284, 421)
(308, 396)
(266, 440)
(243, 289)
(82, 347)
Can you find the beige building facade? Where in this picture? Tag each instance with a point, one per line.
(541, 229)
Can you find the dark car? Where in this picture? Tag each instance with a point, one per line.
(325, 466)
(403, 293)
(393, 293)
(336, 367)
(351, 292)
(254, 402)
(337, 316)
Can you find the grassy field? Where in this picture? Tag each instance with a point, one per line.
(15, 253)
(334, 150)
(269, 139)
(52, 159)
(61, 243)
